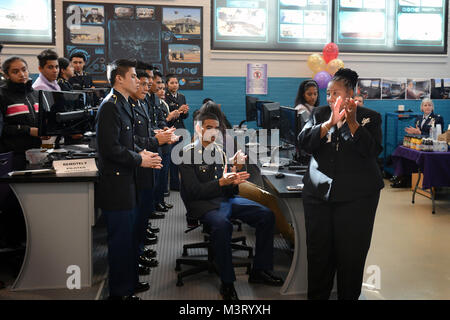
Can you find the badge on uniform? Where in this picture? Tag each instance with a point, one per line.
(203, 168)
(365, 121)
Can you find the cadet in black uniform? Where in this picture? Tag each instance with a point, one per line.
(210, 192)
(176, 101)
(341, 189)
(81, 80)
(117, 196)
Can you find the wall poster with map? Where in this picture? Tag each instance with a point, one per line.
(168, 37)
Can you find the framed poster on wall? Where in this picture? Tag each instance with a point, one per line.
(168, 37)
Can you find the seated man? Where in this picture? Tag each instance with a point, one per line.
(210, 196)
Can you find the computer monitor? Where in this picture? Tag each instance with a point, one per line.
(271, 115)
(94, 96)
(250, 108)
(259, 112)
(63, 113)
(288, 125)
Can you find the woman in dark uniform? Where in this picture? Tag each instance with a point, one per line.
(425, 122)
(341, 189)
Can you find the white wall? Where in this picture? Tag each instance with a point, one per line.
(223, 63)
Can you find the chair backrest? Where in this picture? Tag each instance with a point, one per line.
(6, 166)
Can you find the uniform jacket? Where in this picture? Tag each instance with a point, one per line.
(342, 167)
(144, 140)
(157, 117)
(81, 81)
(174, 104)
(200, 180)
(118, 158)
(19, 105)
(432, 119)
(64, 84)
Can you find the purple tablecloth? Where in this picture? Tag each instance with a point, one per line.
(435, 166)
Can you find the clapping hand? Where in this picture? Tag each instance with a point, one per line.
(350, 107)
(150, 160)
(238, 160)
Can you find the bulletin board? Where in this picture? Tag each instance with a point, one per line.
(168, 37)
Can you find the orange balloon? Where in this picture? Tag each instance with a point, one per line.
(316, 63)
(334, 65)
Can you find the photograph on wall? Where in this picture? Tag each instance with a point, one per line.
(440, 88)
(242, 22)
(184, 22)
(417, 89)
(92, 14)
(369, 88)
(168, 37)
(393, 89)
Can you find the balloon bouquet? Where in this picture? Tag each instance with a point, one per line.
(326, 65)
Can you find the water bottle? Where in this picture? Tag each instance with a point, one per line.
(438, 130)
(433, 133)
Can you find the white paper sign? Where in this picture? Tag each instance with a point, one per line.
(75, 166)
(256, 78)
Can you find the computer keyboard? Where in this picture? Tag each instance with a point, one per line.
(302, 168)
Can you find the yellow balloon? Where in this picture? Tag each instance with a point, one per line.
(334, 65)
(316, 63)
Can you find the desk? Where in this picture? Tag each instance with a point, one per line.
(59, 215)
(433, 166)
(296, 281)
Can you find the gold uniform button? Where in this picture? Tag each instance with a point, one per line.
(139, 122)
(215, 177)
(117, 173)
(128, 128)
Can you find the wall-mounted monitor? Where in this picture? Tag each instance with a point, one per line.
(27, 22)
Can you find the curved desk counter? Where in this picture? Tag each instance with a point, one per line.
(59, 215)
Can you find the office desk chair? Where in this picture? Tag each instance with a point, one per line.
(201, 265)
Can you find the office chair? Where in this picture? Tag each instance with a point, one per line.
(208, 264)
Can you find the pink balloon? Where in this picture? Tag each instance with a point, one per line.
(330, 52)
(322, 78)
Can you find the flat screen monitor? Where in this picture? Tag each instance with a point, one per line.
(250, 108)
(63, 113)
(271, 115)
(259, 112)
(94, 96)
(288, 125)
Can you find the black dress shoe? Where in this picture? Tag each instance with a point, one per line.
(166, 194)
(228, 292)
(152, 229)
(141, 287)
(143, 271)
(146, 262)
(160, 208)
(148, 241)
(131, 298)
(150, 234)
(167, 205)
(149, 253)
(265, 277)
(157, 215)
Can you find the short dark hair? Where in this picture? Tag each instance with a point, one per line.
(207, 116)
(207, 100)
(63, 64)
(119, 67)
(300, 98)
(78, 55)
(142, 74)
(7, 64)
(347, 76)
(157, 73)
(46, 55)
(170, 76)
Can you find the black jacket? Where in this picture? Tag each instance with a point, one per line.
(65, 85)
(431, 119)
(144, 139)
(81, 81)
(118, 158)
(157, 118)
(342, 167)
(19, 105)
(200, 180)
(174, 104)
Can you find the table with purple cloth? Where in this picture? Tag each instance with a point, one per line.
(434, 166)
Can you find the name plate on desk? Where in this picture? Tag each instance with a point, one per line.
(75, 166)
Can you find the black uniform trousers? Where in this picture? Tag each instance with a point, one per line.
(250, 212)
(146, 206)
(338, 236)
(122, 251)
